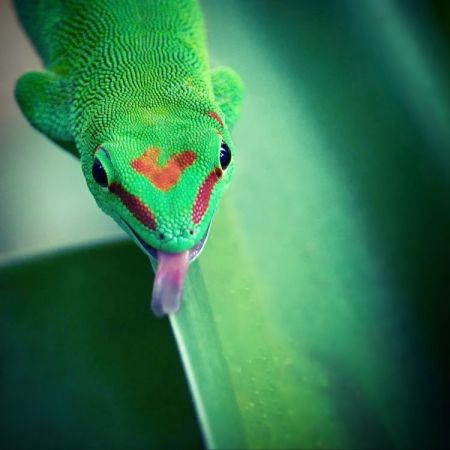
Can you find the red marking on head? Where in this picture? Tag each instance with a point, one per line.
(167, 176)
(216, 117)
(135, 205)
(204, 194)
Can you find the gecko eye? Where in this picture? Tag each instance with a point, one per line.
(101, 168)
(225, 155)
(99, 173)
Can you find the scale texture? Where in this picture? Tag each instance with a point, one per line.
(127, 87)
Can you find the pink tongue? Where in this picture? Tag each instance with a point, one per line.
(169, 279)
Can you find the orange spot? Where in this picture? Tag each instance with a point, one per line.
(216, 117)
(167, 176)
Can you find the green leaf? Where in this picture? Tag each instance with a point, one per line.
(84, 364)
(317, 316)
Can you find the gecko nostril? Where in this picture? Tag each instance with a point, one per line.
(191, 232)
(161, 236)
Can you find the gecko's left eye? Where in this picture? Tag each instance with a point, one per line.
(225, 156)
(102, 168)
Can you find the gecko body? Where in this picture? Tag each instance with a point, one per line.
(127, 88)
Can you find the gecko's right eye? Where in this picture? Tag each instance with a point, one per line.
(101, 170)
(99, 173)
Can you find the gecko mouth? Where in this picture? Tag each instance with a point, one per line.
(170, 271)
(194, 252)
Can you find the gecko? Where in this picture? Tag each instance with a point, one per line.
(126, 87)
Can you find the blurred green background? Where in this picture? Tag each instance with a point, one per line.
(335, 233)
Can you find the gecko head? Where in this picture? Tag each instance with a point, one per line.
(162, 183)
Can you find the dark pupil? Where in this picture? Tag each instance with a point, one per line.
(225, 155)
(99, 174)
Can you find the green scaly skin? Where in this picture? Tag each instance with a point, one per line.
(128, 76)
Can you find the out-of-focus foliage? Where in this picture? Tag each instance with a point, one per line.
(318, 314)
(83, 363)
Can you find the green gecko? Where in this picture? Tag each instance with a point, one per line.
(128, 89)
